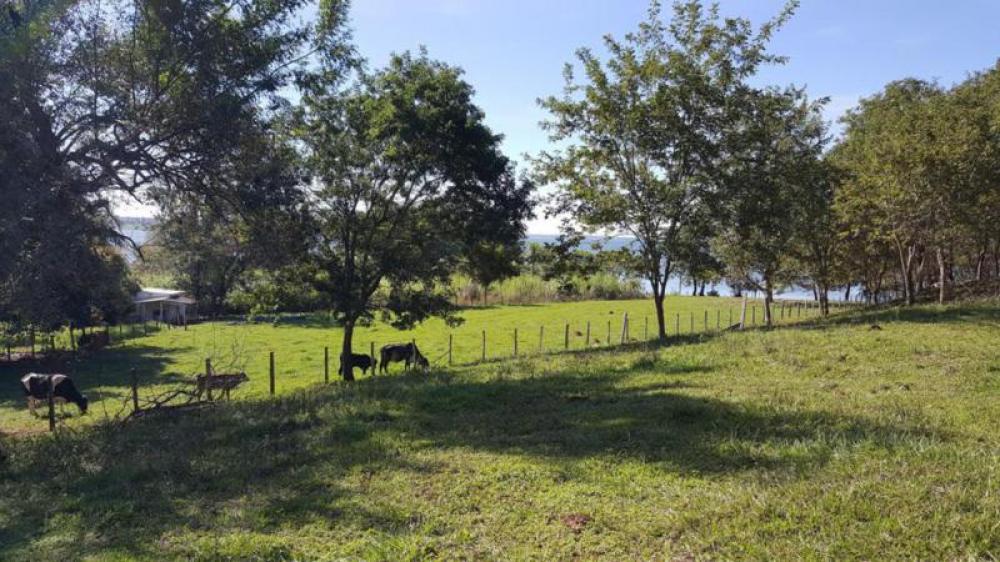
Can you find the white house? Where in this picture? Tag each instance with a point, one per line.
(163, 305)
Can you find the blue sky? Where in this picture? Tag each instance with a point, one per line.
(513, 51)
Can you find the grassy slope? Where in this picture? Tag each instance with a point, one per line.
(836, 441)
(167, 357)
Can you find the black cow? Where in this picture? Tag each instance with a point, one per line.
(359, 361)
(406, 352)
(36, 390)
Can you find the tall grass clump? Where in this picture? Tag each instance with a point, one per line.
(532, 289)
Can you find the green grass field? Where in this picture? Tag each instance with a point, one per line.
(169, 357)
(827, 440)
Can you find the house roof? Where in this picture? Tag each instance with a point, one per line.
(153, 294)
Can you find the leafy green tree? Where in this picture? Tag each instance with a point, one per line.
(885, 153)
(405, 169)
(775, 168)
(56, 263)
(816, 243)
(104, 99)
(564, 262)
(644, 129)
(208, 243)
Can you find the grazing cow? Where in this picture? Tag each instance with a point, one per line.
(94, 341)
(406, 352)
(36, 390)
(225, 383)
(359, 361)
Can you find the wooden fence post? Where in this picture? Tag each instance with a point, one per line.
(609, 333)
(135, 390)
(624, 336)
(271, 371)
(677, 324)
(718, 319)
(730, 316)
(208, 373)
(515, 342)
(706, 321)
(326, 364)
(566, 336)
(371, 353)
(753, 315)
(52, 405)
(484, 345)
(645, 329)
(541, 339)
(450, 338)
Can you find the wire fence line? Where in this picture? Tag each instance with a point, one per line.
(463, 347)
(456, 347)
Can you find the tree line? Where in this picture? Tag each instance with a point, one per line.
(668, 139)
(286, 167)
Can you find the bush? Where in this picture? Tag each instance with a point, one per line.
(530, 288)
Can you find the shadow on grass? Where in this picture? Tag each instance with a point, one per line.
(288, 462)
(983, 313)
(109, 368)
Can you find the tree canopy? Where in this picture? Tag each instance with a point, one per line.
(408, 180)
(647, 129)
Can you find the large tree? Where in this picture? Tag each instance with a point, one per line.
(885, 153)
(408, 179)
(644, 129)
(774, 168)
(106, 99)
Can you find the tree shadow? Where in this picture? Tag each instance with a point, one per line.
(108, 368)
(984, 314)
(287, 462)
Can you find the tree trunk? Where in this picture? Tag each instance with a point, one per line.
(346, 366)
(701, 293)
(661, 322)
(905, 271)
(942, 276)
(824, 300)
(847, 293)
(768, 299)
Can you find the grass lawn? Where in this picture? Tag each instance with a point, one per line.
(168, 357)
(832, 440)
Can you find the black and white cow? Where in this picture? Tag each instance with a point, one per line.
(36, 390)
(405, 352)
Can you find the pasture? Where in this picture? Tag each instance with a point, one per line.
(816, 441)
(168, 357)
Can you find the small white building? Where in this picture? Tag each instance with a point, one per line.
(163, 305)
